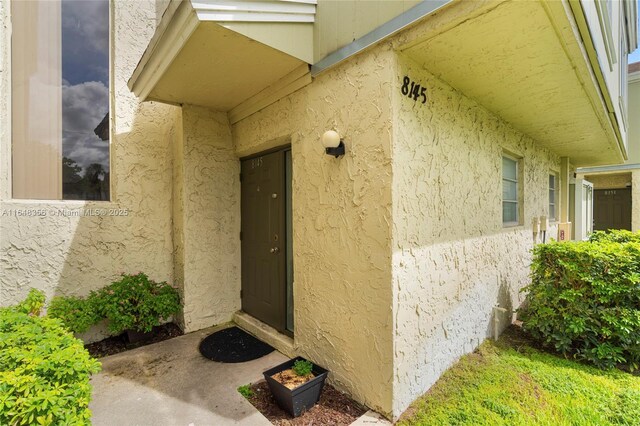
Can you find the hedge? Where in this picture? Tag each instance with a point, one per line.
(44, 370)
(584, 298)
(134, 302)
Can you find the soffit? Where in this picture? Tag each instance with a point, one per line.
(515, 60)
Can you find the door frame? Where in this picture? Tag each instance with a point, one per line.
(284, 241)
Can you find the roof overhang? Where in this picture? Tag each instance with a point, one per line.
(524, 61)
(220, 54)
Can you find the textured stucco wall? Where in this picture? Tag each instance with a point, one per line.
(341, 220)
(211, 219)
(73, 255)
(452, 259)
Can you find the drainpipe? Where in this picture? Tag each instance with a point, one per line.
(497, 310)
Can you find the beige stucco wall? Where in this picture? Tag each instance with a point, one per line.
(452, 259)
(211, 219)
(341, 220)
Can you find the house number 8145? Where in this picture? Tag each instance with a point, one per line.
(413, 90)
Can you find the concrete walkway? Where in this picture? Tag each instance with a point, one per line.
(170, 383)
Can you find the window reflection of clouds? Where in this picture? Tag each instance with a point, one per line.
(85, 87)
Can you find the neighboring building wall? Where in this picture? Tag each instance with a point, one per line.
(605, 27)
(453, 260)
(73, 255)
(341, 220)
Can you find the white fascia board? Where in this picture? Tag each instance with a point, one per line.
(254, 11)
(215, 16)
(176, 26)
(254, 6)
(607, 169)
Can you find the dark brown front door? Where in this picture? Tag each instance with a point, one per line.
(264, 239)
(612, 209)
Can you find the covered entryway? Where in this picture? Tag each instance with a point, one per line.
(612, 209)
(611, 198)
(266, 239)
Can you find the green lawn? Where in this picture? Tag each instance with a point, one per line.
(511, 383)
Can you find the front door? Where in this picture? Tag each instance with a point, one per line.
(264, 248)
(612, 209)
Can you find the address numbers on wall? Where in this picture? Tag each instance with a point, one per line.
(413, 90)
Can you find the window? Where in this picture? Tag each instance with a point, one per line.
(553, 196)
(510, 191)
(604, 9)
(60, 99)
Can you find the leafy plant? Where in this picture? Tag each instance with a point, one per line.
(77, 313)
(246, 391)
(584, 298)
(44, 370)
(33, 303)
(136, 303)
(302, 367)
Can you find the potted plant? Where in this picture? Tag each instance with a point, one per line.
(296, 384)
(135, 304)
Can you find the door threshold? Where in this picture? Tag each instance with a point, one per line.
(266, 333)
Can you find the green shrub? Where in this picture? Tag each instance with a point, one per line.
(617, 236)
(44, 370)
(77, 313)
(584, 299)
(132, 303)
(137, 303)
(33, 303)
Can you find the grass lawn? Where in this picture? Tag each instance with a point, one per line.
(510, 383)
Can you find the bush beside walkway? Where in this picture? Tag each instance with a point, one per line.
(44, 370)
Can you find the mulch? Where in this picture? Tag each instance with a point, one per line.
(117, 344)
(334, 408)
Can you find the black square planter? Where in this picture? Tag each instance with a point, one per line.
(297, 400)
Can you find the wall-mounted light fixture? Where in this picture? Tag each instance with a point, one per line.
(332, 143)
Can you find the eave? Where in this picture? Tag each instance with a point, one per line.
(228, 55)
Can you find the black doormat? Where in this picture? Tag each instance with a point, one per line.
(233, 345)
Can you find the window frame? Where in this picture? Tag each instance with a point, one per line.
(556, 196)
(605, 16)
(519, 190)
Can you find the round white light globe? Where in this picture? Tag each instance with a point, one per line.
(330, 139)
